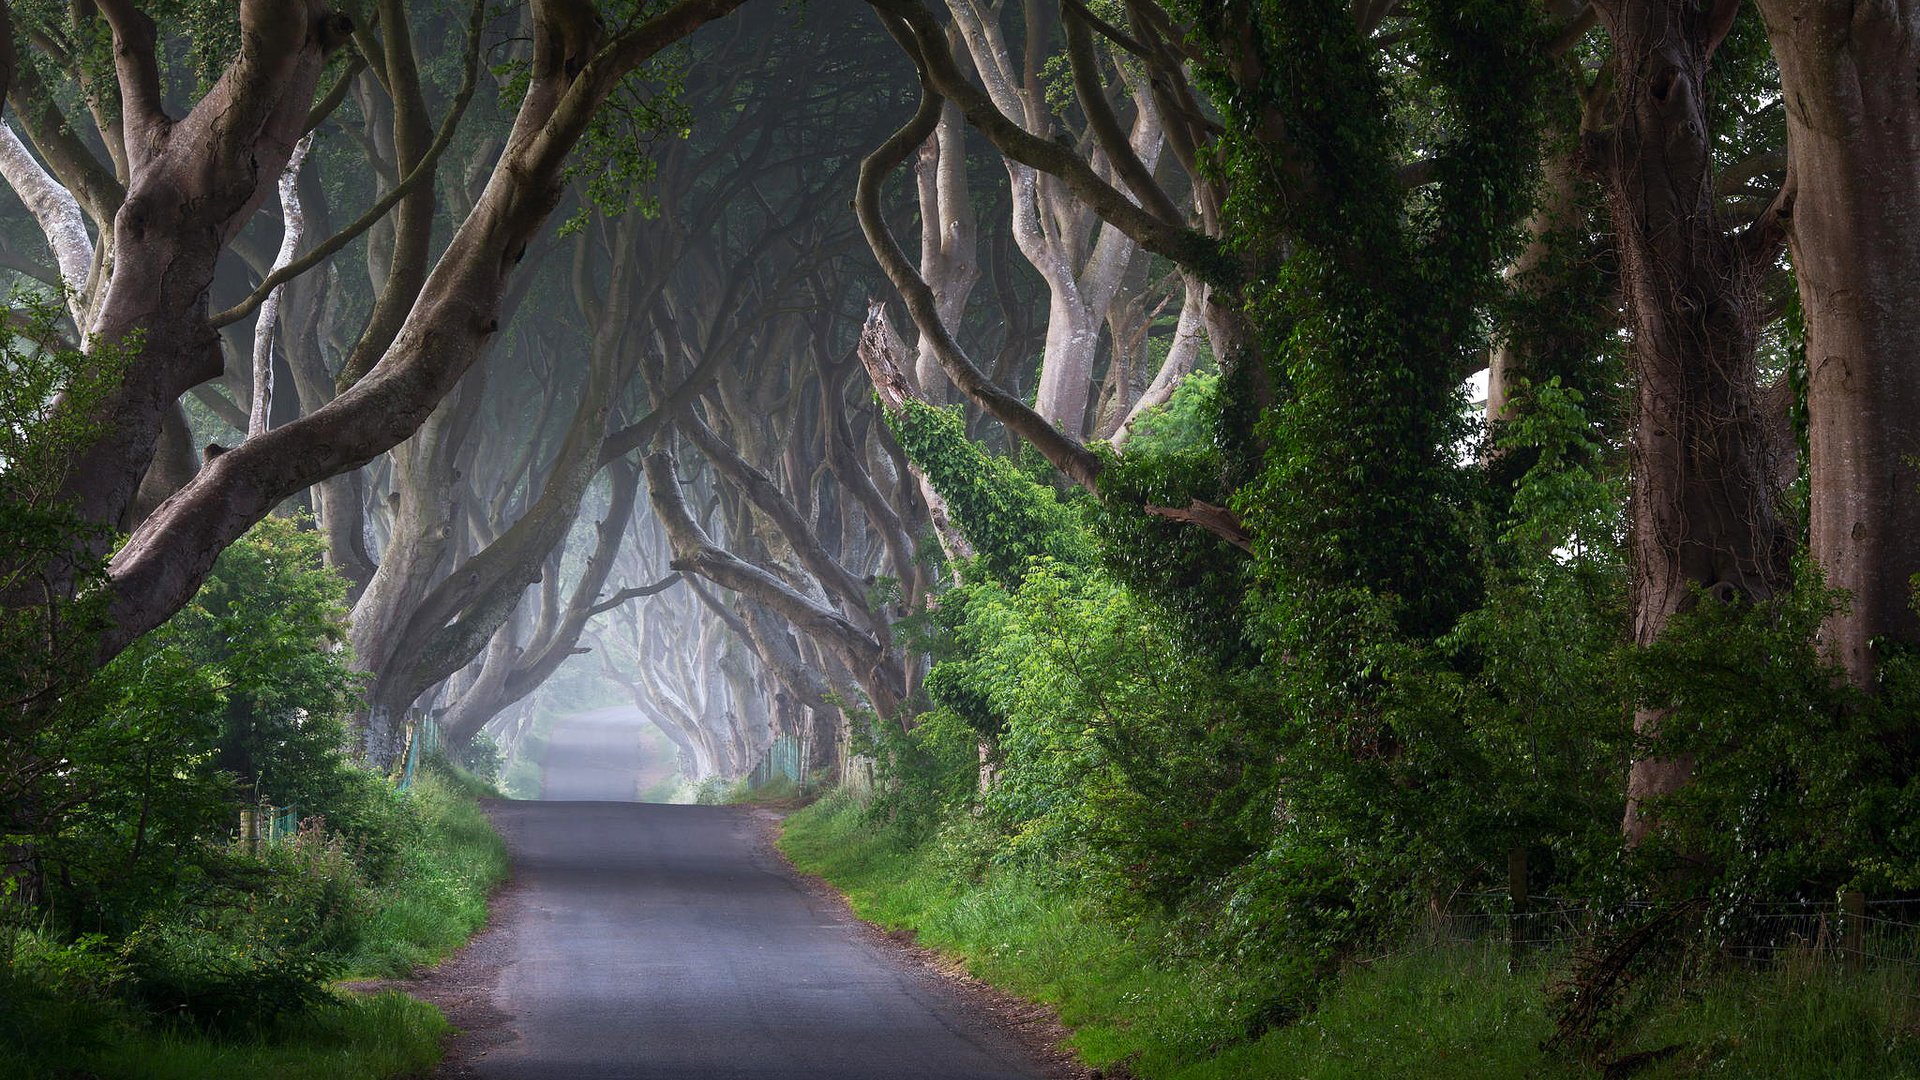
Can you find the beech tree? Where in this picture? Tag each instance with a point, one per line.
(193, 181)
(1850, 209)
(1705, 511)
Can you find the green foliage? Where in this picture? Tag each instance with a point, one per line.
(131, 922)
(233, 979)
(46, 1035)
(254, 942)
(482, 758)
(1180, 452)
(242, 696)
(1126, 753)
(269, 625)
(435, 894)
(1008, 517)
(50, 561)
(1139, 1002)
(1800, 787)
(933, 768)
(616, 161)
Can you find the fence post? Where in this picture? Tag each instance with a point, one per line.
(250, 830)
(1853, 929)
(1517, 889)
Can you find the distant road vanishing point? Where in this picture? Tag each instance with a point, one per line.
(654, 942)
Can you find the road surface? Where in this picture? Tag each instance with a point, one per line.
(671, 942)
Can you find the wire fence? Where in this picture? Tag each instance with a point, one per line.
(423, 738)
(264, 823)
(785, 760)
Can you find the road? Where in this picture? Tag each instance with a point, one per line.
(671, 942)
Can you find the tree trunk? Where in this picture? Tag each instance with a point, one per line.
(196, 181)
(1853, 141)
(160, 567)
(1703, 513)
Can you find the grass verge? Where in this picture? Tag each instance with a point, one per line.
(440, 899)
(357, 1037)
(1441, 1012)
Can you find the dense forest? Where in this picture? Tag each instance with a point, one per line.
(1279, 486)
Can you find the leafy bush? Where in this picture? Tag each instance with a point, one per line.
(259, 944)
(482, 758)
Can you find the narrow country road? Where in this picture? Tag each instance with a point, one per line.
(671, 942)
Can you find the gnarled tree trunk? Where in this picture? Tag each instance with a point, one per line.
(1703, 512)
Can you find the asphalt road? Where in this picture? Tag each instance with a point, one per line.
(671, 942)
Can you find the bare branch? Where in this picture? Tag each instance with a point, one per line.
(926, 41)
(1106, 126)
(421, 173)
(636, 593)
(1066, 454)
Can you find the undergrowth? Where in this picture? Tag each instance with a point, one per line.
(440, 899)
(1135, 998)
(68, 1008)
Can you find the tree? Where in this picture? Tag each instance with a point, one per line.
(1850, 210)
(1704, 505)
(253, 114)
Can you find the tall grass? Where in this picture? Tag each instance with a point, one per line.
(440, 898)
(355, 1038)
(1441, 1012)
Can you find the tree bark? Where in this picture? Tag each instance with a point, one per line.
(163, 563)
(1853, 143)
(57, 213)
(1703, 511)
(195, 182)
(268, 320)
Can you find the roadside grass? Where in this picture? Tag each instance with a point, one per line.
(780, 792)
(440, 899)
(356, 1037)
(435, 901)
(1440, 1012)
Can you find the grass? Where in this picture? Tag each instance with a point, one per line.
(1454, 1012)
(358, 1037)
(434, 904)
(441, 898)
(779, 792)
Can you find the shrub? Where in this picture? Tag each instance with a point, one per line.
(260, 946)
(481, 757)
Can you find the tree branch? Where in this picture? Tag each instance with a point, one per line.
(942, 76)
(420, 174)
(636, 593)
(1106, 127)
(158, 568)
(1068, 455)
(134, 42)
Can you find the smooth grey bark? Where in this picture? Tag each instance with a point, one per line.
(194, 182)
(294, 221)
(1853, 147)
(574, 70)
(1189, 337)
(57, 213)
